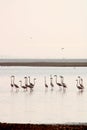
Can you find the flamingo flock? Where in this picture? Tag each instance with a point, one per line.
(25, 87)
(61, 84)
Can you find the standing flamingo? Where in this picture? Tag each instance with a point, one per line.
(12, 83)
(26, 83)
(51, 83)
(78, 85)
(45, 82)
(62, 82)
(24, 87)
(80, 81)
(31, 84)
(59, 84)
(15, 85)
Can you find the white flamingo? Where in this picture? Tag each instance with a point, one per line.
(78, 85)
(51, 81)
(81, 82)
(62, 82)
(45, 82)
(32, 84)
(24, 87)
(15, 85)
(59, 84)
(12, 83)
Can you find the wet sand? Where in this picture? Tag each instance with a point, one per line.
(10, 126)
(44, 62)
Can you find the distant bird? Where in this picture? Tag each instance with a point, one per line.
(12, 83)
(51, 81)
(26, 83)
(59, 84)
(45, 82)
(31, 84)
(24, 87)
(15, 85)
(78, 85)
(62, 82)
(80, 81)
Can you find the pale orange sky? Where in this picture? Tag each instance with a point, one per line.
(40, 28)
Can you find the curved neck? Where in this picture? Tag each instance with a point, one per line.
(51, 80)
(29, 80)
(81, 81)
(77, 83)
(25, 81)
(62, 80)
(20, 83)
(11, 80)
(34, 81)
(56, 79)
(45, 80)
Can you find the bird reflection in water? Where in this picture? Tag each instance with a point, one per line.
(31, 91)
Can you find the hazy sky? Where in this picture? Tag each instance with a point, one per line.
(40, 28)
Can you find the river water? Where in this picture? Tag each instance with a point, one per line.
(43, 105)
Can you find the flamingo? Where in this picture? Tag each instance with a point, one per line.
(15, 85)
(59, 84)
(12, 85)
(31, 84)
(24, 87)
(26, 83)
(80, 81)
(51, 83)
(45, 82)
(62, 82)
(78, 86)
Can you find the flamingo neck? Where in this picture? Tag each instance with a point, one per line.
(82, 82)
(21, 83)
(56, 79)
(51, 81)
(77, 83)
(25, 81)
(61, 80)
(11, 81)
(29, 80)
(34, 81)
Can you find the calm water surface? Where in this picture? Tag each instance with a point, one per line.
(43, 105)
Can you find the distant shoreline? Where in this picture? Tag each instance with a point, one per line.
(15, 126)
(44, 62)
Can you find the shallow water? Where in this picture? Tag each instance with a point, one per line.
(43, 105)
